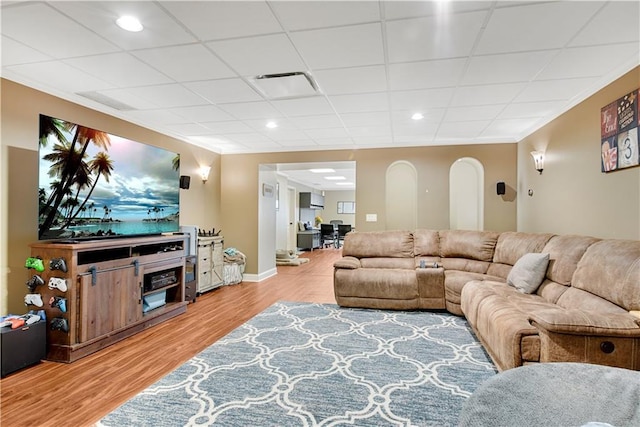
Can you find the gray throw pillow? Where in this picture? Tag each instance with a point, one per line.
(528, 272)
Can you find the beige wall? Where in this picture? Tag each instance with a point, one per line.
(330, 211)
(572, 195)
(240, 184)
(21, 107)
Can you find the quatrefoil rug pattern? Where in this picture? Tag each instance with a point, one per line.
(298, 364)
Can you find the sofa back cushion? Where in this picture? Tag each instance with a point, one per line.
(426, 243)
(512, 245)
(610, 269)
(379, 244)
(564, 254)
(478, 245)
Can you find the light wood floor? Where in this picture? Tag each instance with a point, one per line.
(82, 392)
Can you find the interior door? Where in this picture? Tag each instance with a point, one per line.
(292, 229)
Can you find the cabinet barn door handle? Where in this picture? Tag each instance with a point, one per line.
(136, 267)
(94, 275)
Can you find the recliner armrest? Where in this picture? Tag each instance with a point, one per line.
(578, 322)
(347, 262)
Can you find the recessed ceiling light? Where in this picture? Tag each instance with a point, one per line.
(129, 23)
(272, 125)
(322, 170)
(334, 178)
(417, 116)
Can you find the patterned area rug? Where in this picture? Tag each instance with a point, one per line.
(299, 364)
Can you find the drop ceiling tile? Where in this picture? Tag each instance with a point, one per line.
(593, 61)
(168, 96)
(369, 131)
(485, 112)
(373, 141)
(188, 129)
(317, 122)
(404, 128)
(280, 135)
(534, 26)
(251, 110)
(186, 63)
(508, 128)
(59, 77)
(204, 113)
(413, 140)
(326, 133)
(260, 125)
(304, 106)
(156, 117)
(224, 90)
(433, 37)
(618, 22)
(213, 20)
(253, 56)
(470, 129)
(303, 15)
(350, 46)
(14, 53)
(420, 100)
(248, 138)
(119, 69)
(352, 80)
(409, 9)
(555, 90)
(486, 94)
(360, 103)
(529, 110)
(298, 143)
(126, 96)
(403, 118)
(377, 118)
(26, 21)
(338, 143)
(426, 74)
(100, 16)
(229, 127)
(506, 68)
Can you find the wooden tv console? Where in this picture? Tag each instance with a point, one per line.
(108, 283)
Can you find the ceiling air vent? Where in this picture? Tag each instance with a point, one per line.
(297, 84)
(105, 100)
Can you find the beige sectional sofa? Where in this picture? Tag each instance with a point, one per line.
(586, 308)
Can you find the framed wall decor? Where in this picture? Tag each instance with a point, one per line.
(619, 122)
(346, 207)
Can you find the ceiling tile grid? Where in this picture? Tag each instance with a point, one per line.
(477, 71)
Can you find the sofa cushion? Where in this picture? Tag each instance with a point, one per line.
(528, 272)
(611, 270)
(583, 300)
(426, 243)
(455, 280)
(380, 244)
(564, 254)
(478, 245)
(512, 245)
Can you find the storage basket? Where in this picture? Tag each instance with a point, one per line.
(233, 268)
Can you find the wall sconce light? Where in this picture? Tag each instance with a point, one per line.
(204, 173)
(538, 160)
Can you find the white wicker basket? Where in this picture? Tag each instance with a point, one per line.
(232, 273)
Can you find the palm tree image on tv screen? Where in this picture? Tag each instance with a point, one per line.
(94, 184)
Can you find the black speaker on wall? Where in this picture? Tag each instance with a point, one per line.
(185, 180)
(500, 188)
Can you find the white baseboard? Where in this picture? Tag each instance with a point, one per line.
(259, 277)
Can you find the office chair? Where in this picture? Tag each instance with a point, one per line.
(343, 229)
(327, 234)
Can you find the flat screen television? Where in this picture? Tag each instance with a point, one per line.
(92, 184)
